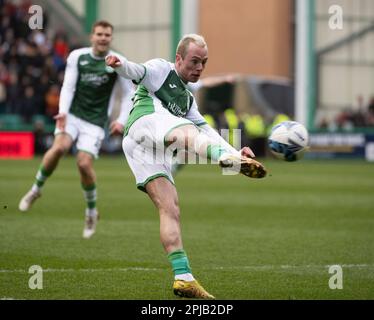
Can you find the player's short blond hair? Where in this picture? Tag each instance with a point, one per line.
(186, 40)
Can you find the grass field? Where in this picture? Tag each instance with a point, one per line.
(246, 239)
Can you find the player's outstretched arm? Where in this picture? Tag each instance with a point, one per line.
(68, 89)
(125, 68)
(113, 61)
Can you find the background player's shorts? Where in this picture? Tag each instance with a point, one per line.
(89, 136)
(145, 150)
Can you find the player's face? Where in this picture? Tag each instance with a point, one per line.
(100, 40)
(192, 65)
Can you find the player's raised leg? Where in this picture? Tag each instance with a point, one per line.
(209, 146)
(60, 146)
(185, 284)
(88, 182)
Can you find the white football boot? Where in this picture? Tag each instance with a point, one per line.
(90, 225)
(27, 200)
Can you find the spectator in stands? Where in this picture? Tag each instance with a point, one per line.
(60, 50)
(370, 113)
(49, 69)
(51, 100)
(30, 104)
(2, 98)
(13, 94)
(30, 59)
(4, 74)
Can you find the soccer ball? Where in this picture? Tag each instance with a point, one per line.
(288, 140)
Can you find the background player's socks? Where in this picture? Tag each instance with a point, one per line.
(90, 196)
(40, 178)
(91, 212)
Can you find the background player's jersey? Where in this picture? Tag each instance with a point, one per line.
(92, 83)
(162, 90)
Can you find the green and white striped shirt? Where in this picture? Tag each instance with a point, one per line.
(89, 88)
(160, 90)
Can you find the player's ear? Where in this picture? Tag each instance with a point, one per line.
(178, 58)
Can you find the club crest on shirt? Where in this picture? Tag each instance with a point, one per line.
(109, 69)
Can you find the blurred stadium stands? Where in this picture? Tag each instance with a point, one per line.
(31, 68)
(32, 64)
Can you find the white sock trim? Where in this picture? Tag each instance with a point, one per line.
(185, 277)
(35, 189)
(91, 212)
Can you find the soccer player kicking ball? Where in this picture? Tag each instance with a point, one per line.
(86, 100)
(165, 118)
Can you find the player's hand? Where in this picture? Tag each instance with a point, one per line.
(247, 152)
(60, 121)
(116, 128)
(113, 61)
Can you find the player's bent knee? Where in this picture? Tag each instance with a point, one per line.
(84, 165)
(181, 137)
(59, 150)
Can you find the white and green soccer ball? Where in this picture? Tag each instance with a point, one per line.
(288, 140)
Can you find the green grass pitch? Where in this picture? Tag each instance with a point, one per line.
(273, 238)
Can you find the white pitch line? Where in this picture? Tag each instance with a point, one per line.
(243, 268)
(85, 270)
(309, 266)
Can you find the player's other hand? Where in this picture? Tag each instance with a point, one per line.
(113, 61)
(247, 152)
(116, 128)
(60, 121)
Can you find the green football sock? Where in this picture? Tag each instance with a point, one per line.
(41, 176)
(214, 152)
(179, 262)
(90, 195)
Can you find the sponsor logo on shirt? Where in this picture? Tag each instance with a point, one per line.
(109, 69)
(176, 109)
(94, 79)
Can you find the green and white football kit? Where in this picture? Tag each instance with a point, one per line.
(162, 103)
(87, 99)
(88, 96)
(164, 110)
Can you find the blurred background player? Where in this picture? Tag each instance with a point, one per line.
(165, 118)
(86, 100)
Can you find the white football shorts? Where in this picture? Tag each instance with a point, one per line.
(145, 150)
(88, 136)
